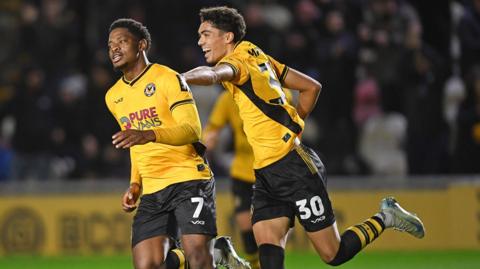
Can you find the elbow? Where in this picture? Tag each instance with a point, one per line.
(195, 134)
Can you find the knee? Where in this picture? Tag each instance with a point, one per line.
(328, 256)
(200, 259)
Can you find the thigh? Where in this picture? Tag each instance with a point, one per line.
(196, 213)
(299, 180)
(198, 250)
(151, 252)
(326, 242)
(272, 231)
(152, 219)
(265, 207)
(192, 243)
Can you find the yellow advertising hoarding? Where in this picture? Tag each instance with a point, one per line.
(95, 224)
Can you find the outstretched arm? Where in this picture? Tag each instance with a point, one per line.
(206, 75)
(309, 90)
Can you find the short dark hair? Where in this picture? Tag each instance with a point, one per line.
(134, 27)
(226, 19)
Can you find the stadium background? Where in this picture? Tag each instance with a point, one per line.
(398, 115)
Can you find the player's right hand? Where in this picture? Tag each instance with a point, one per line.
(130, 197)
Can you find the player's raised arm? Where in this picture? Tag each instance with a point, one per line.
(309, 90)
(206, 75)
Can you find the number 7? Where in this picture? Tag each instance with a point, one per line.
(198, 200)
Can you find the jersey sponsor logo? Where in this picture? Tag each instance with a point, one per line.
(197, 222)
(149, 89)
(142, 119)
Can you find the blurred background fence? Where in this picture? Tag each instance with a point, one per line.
(85, 218)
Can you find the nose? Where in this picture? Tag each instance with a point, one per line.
(114, 47)
(200, 41)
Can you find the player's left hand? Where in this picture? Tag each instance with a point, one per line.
(129, 138)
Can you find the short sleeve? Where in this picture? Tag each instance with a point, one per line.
(240, 69)
(280, 69)
(177, 91)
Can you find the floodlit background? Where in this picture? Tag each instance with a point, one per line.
(399, 114)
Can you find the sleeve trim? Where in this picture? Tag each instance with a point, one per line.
(179, 103)
(235, 70)
(284, 73)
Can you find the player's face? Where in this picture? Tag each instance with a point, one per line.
(123, 48)
(213, 42)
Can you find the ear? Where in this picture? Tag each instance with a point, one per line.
(142, 45)
(229, 37)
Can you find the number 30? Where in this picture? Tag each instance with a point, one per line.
(316, 207)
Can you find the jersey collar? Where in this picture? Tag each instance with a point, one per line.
(131, 82)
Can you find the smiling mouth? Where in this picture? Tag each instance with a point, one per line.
(206, 52)
(116, 58)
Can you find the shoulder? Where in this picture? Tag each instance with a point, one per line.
(114, 88)
(163, 70)
(245, 52)
(169, 78)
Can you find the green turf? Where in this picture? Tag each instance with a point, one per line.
(294, 260)
(394, 260)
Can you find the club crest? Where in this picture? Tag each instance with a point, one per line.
(149, 89)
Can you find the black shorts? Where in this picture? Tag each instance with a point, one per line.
(242, 193)
(186, 207)
(294, 185)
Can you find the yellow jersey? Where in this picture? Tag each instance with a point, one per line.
(147, 102)
(225, 112)
(270, 122)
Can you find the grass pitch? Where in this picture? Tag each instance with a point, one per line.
(294, 260)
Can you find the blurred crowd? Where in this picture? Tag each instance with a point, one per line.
(401, 80)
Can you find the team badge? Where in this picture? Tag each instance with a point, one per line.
(149, 90)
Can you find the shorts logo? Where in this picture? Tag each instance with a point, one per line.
(317, 220)
(197, 222)
(149, 89)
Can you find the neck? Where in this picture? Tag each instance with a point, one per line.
(231, 47)
(130, 73)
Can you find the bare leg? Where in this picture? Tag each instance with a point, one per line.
(326, 242)
(199, 250)
(150, 253)
(271, 237)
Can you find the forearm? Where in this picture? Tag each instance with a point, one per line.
(306, 101)
(181, 134)
(202, 75)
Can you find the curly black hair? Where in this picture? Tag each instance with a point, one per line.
(134, 27)
(226, 19)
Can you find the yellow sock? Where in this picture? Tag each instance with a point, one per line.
(368, 230)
